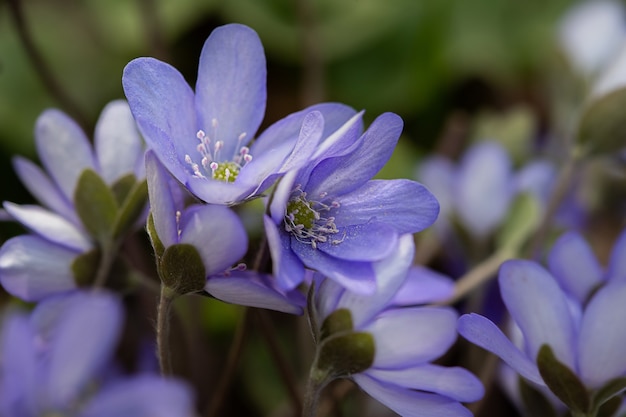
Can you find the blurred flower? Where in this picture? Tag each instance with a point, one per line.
(204, 139)
(581, 327)
(396, 344)
(56, 362)
(478, 192)
(36, 265)
(213, 237)
(331, 217)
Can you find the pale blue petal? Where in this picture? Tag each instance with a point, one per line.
(410, 403)
(280, 197)
(574, 265)
(248, 288)
(327, 297)
(117, 141)
(231, 85)
(32, 268)
(220, 192)
(142, 396)
(163, 106)
(82, 345)
(217, 233)
(390, 275)
(361, 242)
(405, 205)
(603, 336)
(355, 276)
(423, 286)
(43, 189)
(484, 188)
(453, 382)
(536, 178)
(616, 270)
(50, 226)
(482, 332)
(438, 174)
(162, 204)
(540, 309)
(64, 149)
(287, 267)
(412, 336)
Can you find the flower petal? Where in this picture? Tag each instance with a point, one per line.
(483, 188)
(423, 286)
(354, 275)
(64, 149)
(142, 396)
(616, 270)
(82, 345)
(574, 265)
(410, 403)
(406, 205)
(391, 272)
(327, 297)
(32, 268)
(540, 309)
(162, 204)
(432, 332)
(231, 85)
(50, 226)
(603, 336)
(343, 174)
(117, 141)
(438, 174)
(482, 332)
(453, 382)
(217, 233)
(251, 289)
(361, 242)
(43, 189)
(287, 267)
(163, 106)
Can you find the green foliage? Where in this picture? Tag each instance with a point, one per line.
(181, 269)
(522, 221)
(346, 353)
(602, 127)
(96, 206)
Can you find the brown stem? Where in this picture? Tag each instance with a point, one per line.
(313, 66)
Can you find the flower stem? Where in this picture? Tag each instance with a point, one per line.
(163, 329)
(104, 266)
(318, 379)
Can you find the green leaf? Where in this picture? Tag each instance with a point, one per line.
(121, 188)
(562, 381)
(336, 322)
(132, 207)
(181, 269)
(608, 391)
(157, 245)
(85, 267)
(535, 403)
(96, 206)
(602, 126)
(522, 221)
(345, 354)
(609, 408)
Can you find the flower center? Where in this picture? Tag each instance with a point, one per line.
(212, 163)
(307, 220)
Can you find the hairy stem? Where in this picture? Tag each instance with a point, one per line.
(163, 330)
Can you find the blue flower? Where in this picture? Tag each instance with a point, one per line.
(56, 361)
(204, 139)
(219, 238)
(331, 217)
(39, 264)
(406, 340)
(579, 322)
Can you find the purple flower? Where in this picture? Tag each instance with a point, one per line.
(56, 361)
(405, 340)
(204, 139)
(331, 217)
(218, 237)
(582, 328)
(42, 263)
(479, 191)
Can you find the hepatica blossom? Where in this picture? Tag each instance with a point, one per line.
(388, 350)
(44, 262)
(569, 318)
(205, 138)
(197, 248)
(330, 216)
(57, 361)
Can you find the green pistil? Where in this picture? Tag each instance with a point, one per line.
(226, 171)
(302, 212)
